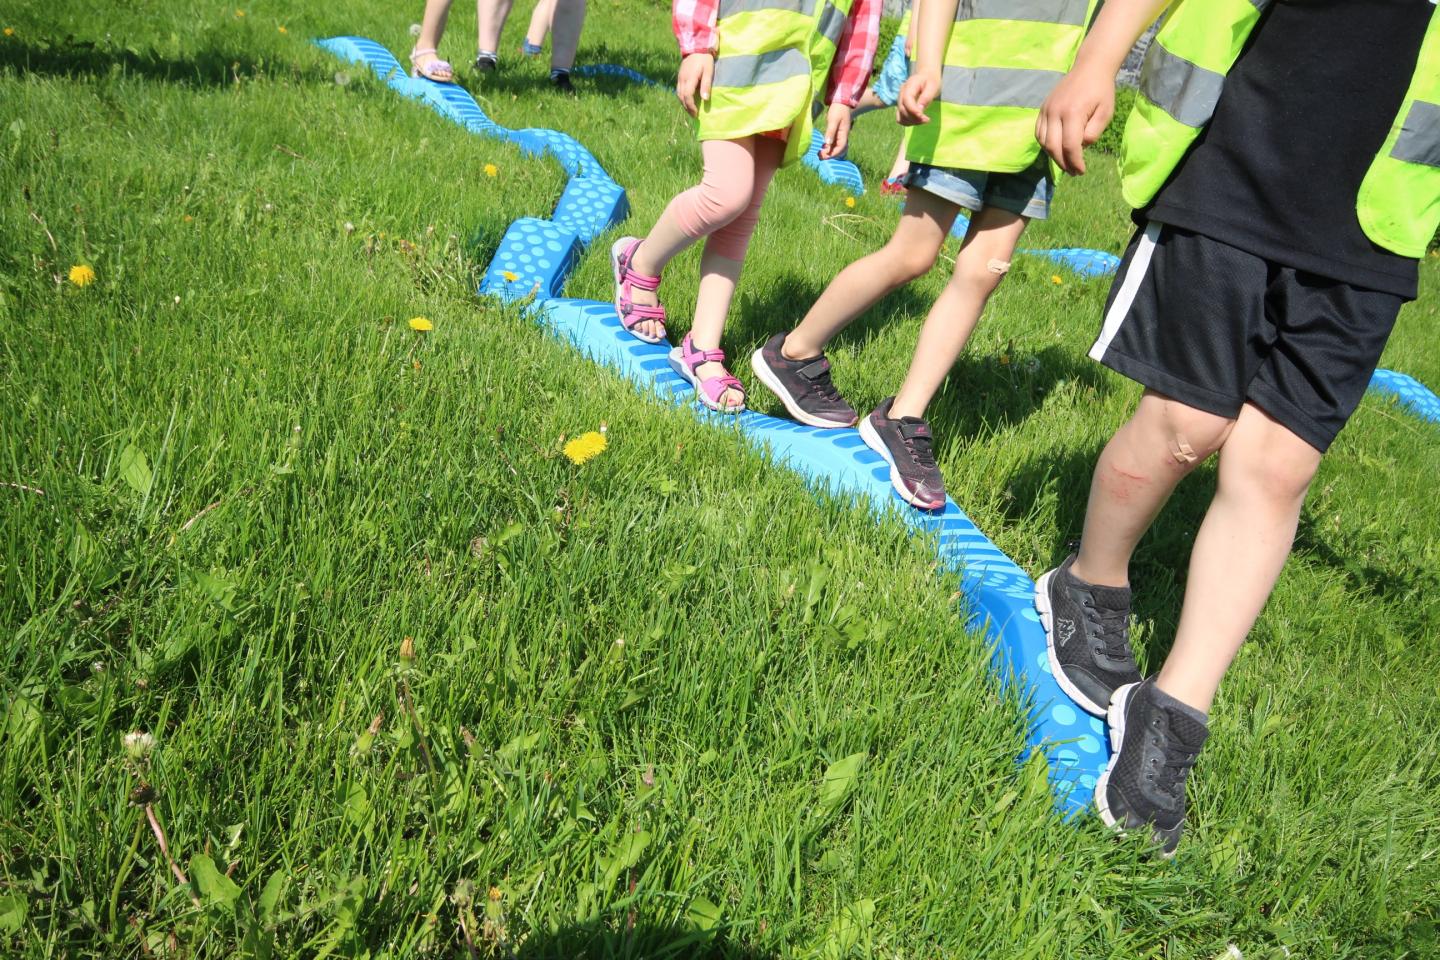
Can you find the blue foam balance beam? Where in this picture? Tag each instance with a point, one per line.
(1412, 394)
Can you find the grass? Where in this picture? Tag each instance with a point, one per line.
(629, 679)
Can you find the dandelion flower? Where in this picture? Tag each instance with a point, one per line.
(188, 218)
(239, 13)
(1056, 279)
(586, 447)
(9, 31)
(414, 29)
(491, 170)
(421, 323)
(82, 275)
(282, 29)
(850, 202)
(341, 78)
(510, 275)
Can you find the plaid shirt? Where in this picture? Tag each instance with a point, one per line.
(694, 25)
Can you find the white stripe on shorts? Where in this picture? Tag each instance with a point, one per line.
(1135, 271)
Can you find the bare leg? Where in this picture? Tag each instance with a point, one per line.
(868, 102)
(432, 28)
(565, 26)
(984, 259)
(492, 15)
(1160, 444)
(910, 253)
(540, 23)
(901, 166)
(1265, 471)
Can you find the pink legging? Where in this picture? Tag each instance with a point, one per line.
(726, 205)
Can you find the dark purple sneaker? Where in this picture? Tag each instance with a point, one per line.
(804, 386)
(905, 445)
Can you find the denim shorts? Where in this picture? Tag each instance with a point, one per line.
(893, 74)
(1027, 193)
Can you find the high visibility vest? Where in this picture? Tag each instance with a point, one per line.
(1002, 60)
(772, 58)
(1185, 68)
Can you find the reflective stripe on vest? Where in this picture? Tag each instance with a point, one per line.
(832, 22)
(730, 8)
(1180, 88)
(1072, 13)
(756, 69)
(1419, 140)
(997, 86)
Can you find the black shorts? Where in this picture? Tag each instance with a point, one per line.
(1214, 327)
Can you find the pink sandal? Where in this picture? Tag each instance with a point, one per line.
(626, 280)
(436, 70)
(685, 358)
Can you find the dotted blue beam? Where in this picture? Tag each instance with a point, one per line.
(1411, 393)
(535, 257)
(615, 70)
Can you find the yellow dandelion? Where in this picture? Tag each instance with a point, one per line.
(586, 447)
(510, 275)
(850, 202)
(9, 31)
(491, 170)
(282, 30)
(1056, 279)
(82, 275)
(416, 364)
(239, 13)
(188, 218)
(421, 324)
(495, 893)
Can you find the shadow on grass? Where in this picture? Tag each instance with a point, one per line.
(602, 941)
(519, 76)
(73, 58)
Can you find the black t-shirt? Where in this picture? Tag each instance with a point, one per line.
(1304, 112)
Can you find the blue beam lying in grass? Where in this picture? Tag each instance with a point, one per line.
(838, 171)
(530, 267)
(1411, 393)
(615, 70)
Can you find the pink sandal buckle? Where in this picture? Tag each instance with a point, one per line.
(627, 280)
(685, 358)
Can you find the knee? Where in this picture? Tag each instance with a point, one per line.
(979, 270)
(909, 261)
(721, 203)
(1191, 436)
(1275, 478)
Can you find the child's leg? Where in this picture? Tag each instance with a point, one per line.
(723, 257)
(1160, 444)
(983, 261)
(724, 192)
(909, 254)
(1265, 471)
(492, 15)
(565, 26)
(540, 23)
(432, 26)
(901, 166)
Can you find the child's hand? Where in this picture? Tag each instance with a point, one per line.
(915, 96)
(837, 131)
(696, 72)
(1074, 116)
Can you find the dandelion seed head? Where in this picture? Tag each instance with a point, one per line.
(138, 744)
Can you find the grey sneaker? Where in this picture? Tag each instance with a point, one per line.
(804, 386)
(905, 445)
(1087, 636)
(1155, 740)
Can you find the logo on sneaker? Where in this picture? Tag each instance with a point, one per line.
(1065, 629)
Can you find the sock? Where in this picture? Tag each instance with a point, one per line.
(486, 55)
(531, 49)
(556, 73)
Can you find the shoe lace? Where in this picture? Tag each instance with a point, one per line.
(1111, 628)
(824, 387)
(921, 451)
(1175, 769)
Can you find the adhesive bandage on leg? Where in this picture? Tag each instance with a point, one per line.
(1001, 267)
(1182, 451)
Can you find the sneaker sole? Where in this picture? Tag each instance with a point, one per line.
(616, 250)
(772, 383)
(678, 365)
(873, 441)
(1047, 620)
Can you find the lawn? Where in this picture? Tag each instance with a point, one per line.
(420, 686)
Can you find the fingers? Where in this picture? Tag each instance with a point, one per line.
(1099, 120)
(685, 90)
(1071, 146)
(707, 76)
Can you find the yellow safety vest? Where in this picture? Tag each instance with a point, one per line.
(1002, 60)
(771, 62)
(1185, 69)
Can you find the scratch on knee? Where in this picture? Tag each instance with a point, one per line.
(1000, 267)
(1182, 451)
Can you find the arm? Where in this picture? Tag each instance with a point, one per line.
(910, 34)
(1077, 110)
(694, 25)
(854, 55)
(932, 26)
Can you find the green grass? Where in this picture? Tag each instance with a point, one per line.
(630, 677)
